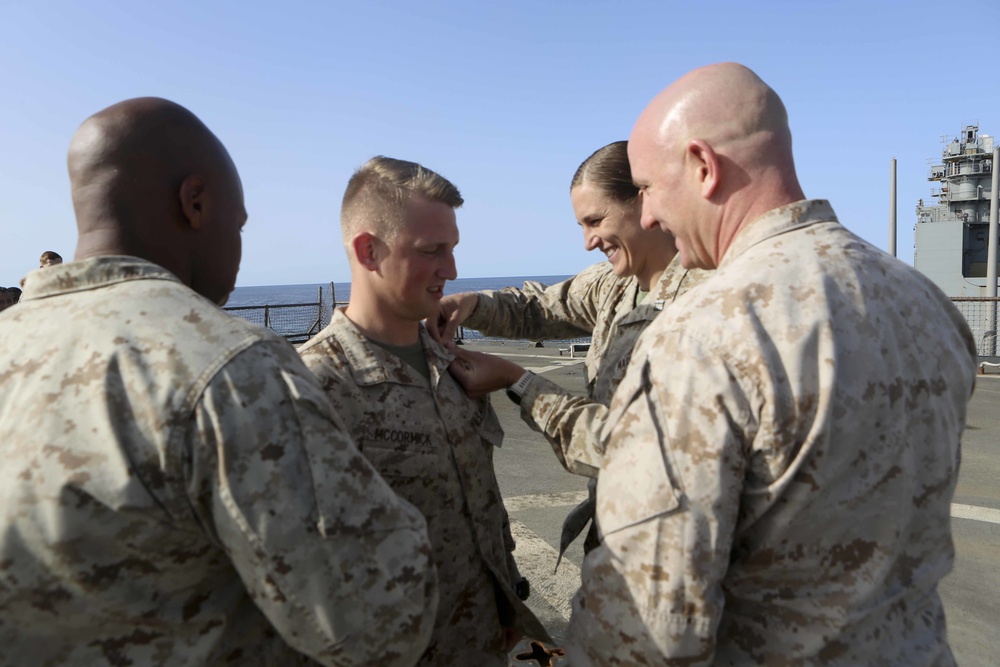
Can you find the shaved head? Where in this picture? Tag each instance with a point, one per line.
(150, 180)
(718, 141)
(726, 105)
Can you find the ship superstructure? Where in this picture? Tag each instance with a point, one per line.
(951, 237)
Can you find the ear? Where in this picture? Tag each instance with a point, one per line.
(192, 197)
(367, 250)
(707, 168)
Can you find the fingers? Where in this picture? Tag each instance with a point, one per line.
(450, 324)
(433, 326)
(464, 372)
(481, 374)
(455, 310)
(472, 371)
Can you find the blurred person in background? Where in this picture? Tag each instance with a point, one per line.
(49, 258)
(7, 298)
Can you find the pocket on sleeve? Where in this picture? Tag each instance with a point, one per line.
(635, 483)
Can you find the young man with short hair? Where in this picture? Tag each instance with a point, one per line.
(389, 380)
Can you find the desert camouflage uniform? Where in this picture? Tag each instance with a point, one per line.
(176, 491)
(434, 445)
(588, 304)
(573, 423)
(781, 457)
(597, 299)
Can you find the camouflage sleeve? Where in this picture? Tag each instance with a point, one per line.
(535, 312)
(492, 435)
(667, 502)
(571, 423)
(337, 562)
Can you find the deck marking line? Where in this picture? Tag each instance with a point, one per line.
(536, 559)
(551, 357)
(518, 503)
(545, 369)
(976, 513)
(568, 498)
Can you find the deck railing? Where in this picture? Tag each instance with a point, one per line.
(297, 322)
(981, 314)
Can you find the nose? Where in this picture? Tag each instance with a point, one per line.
(448, 271)
(648, 222)
(590, 239)
(646, 219)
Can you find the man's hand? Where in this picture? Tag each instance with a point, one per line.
(480, 374)
(455, 309)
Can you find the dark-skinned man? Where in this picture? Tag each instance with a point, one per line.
(176, 488)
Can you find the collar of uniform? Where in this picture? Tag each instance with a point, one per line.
(663, 292)
(366, 367)
(625, 300)
(438, 355)
(670, 281)
(371, 364)
(778, 221)
(90, 274)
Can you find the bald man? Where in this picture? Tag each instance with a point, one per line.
(781, 455)
(175, 488)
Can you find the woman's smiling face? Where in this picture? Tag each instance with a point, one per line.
(611, 227)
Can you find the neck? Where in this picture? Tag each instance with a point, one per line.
(651, 273)
(741, 213)
(646, 283)
(107, 241)
(375, 323)
(100, 243)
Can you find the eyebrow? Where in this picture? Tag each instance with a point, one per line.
(600, 215)
(436, 244)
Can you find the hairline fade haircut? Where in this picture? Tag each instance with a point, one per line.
(376, 196)
(608, 170)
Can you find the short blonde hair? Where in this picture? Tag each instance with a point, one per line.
(376, 196)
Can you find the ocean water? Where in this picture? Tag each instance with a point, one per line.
(297, 323)
(273, 295)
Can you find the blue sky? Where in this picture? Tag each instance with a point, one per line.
(505, 99)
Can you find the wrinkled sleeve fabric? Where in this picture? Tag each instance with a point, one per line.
(339, 564)
(668, 501)
(571, 423)
(569, 309)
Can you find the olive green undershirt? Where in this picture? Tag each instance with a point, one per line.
(413, 355)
